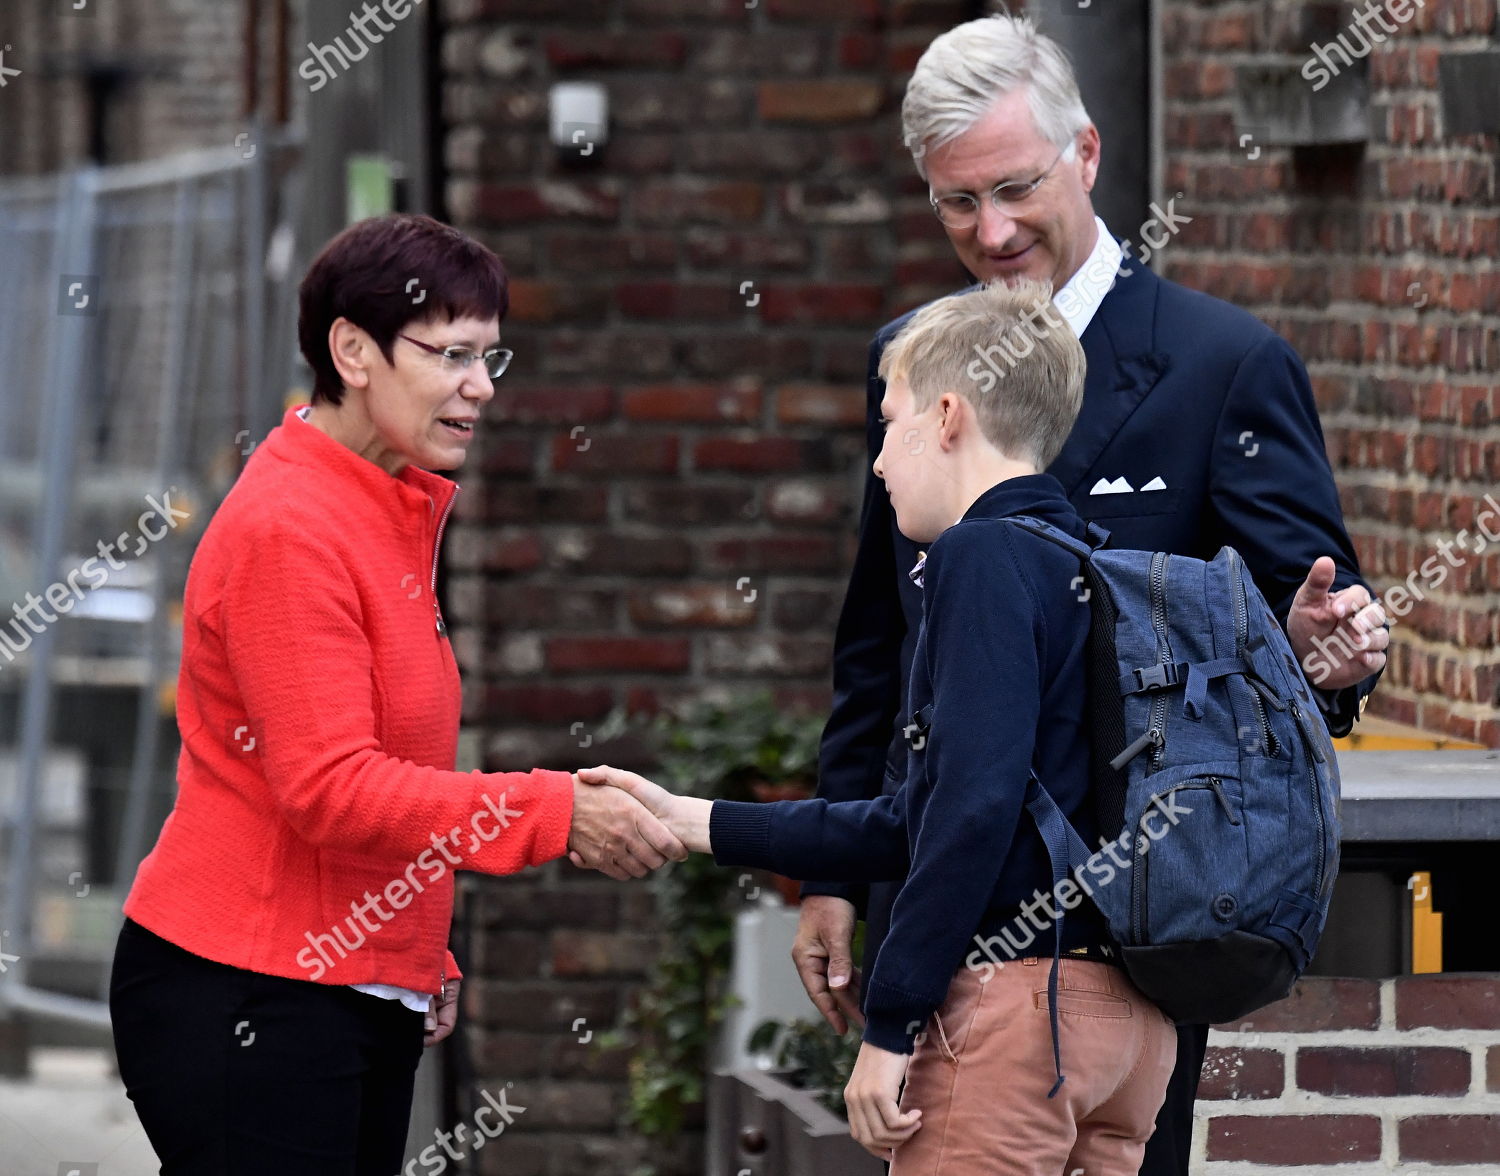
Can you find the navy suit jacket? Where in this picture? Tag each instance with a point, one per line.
(1180, 386)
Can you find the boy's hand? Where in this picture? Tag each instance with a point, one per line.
(872, 1098)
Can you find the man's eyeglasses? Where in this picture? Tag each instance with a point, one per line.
(496, 359)
(961, 210)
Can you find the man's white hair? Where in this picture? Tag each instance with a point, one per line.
(969, 68)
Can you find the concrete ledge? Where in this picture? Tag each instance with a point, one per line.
(1420, 795)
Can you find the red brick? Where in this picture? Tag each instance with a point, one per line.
(512, 552)
(757, 654)
(753, 455)
(609, 455)
(1383, 1071)
(1294, 1140)
(1448, 1002)
(695, 606)
(682, 302)
(820, 101)
(825, 11)
(1317, 1003)
(601, 953)
(768, 356)
(537, 702)
(512, 204)
(675, 11)
(1451, 1139)
(609, 553)
(695, 201)
(551, 302)
(523, 607)
(859, 50)
(600, 50)
(1492, 1069)
(674, 505)
(511, 503)
(748, 253)
(704, 403)
(820, 404)
(1233, 1073)
(589, 11)
(833, 303)
(507, 456)
(782, 553)
(806, 500)
(599, 654)
(554, 404)
(798, 610)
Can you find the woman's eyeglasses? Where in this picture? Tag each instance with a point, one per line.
(961, 210)
(496, 359)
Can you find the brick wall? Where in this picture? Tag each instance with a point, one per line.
(1373, 1076)
(664, 501)
(666, 497)
(1378, 264)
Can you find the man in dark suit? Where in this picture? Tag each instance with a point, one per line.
(1198, 429)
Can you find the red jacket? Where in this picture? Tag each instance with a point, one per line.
(318, 819)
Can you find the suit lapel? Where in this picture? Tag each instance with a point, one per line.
(1122, 370)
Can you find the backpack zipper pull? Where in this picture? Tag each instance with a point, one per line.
(1152, 737)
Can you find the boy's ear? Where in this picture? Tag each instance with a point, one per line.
(950, 417)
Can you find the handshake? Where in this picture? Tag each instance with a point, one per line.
(625, 826)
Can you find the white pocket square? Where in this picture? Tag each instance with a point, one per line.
(1119, 486)
(1154, 484)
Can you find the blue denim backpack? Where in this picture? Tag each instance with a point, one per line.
(1213, 778)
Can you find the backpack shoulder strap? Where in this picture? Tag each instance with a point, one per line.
(1098, 536)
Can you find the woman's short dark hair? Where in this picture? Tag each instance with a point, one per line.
(387, 272)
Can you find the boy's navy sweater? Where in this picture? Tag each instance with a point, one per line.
(998, 677)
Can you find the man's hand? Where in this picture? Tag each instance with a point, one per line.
(824, 955)
(685, 817)
(872, 1098)
(1348, 624)
(614, 833)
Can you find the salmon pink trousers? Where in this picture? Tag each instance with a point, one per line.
(982, 1070)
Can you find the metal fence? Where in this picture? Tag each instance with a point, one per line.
(146, 338)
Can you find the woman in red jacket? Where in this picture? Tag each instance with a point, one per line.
(284, 956)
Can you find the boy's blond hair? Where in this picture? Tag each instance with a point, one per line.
(1008, 352)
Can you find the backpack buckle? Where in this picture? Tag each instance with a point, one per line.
(915, 732)
(1161, 676)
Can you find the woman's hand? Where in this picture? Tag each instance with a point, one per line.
(685, 816)
(616, 834)
(872, 1098)
(442, 1014)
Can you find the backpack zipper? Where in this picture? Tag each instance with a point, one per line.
(1153, 735)
(1158, 719)
(1241, 638)
(1140, 878)
(1318, 757)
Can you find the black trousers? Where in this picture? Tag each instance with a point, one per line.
(235, 1073)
